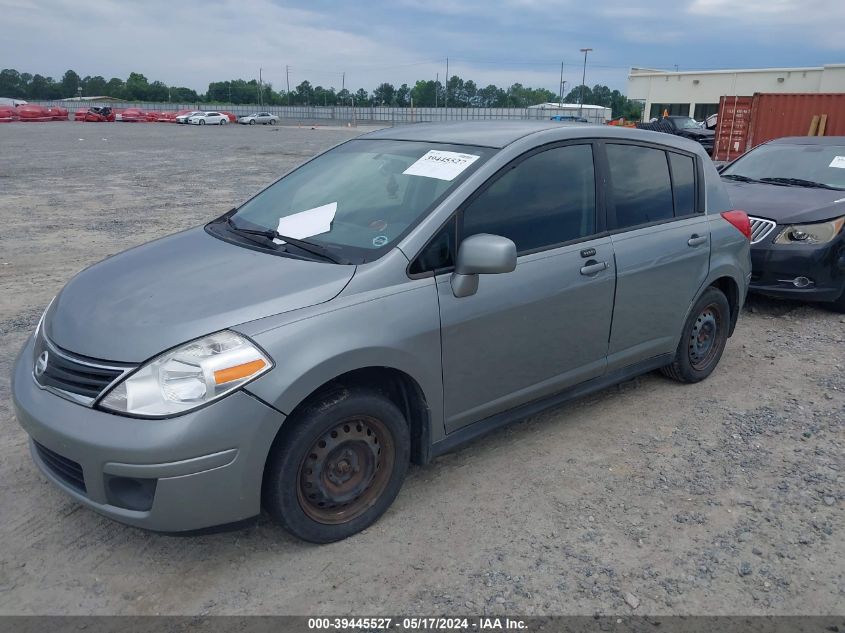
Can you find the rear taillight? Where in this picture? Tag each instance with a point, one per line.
(740, 220)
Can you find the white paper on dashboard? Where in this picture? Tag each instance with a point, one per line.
(307, 223)
(441, 165)
(838, 162)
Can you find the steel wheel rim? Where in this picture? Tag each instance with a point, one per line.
(703, 342)
(346, 470)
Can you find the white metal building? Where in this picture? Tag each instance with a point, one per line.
(697, 93)
(593, 113)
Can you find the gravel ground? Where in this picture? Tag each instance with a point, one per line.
(724, 497)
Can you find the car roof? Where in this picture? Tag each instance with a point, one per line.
(808, 140)
(499, 134)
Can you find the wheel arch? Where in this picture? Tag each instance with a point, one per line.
(730, 288)
(398, 386)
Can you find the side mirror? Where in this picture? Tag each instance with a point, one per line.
(481, 254)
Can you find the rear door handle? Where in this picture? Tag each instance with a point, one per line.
(593, 267)
(696, 240)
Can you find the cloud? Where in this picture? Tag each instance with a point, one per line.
(192, 42)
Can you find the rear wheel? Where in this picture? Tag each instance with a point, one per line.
(272, 121)
(224, 121)
(337, 466)
(703, 339)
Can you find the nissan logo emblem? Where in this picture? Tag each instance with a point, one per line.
(41, 363)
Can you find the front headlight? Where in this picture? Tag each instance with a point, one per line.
(816, 233)
(189, 376)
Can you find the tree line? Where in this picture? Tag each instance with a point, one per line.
(456, 93)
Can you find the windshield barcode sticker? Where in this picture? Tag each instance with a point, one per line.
(441, 165)
(838, 162)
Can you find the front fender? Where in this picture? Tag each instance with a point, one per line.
(400, 331)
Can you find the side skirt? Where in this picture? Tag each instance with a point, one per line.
(482, 427)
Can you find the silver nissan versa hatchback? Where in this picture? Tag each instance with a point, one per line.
(383, 303)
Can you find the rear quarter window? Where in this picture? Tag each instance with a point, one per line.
(683, 183)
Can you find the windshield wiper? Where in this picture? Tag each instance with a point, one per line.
(739, 177)
(799, 182)
(270, 235)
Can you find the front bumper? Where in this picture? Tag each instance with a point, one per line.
(197, 470)
(775, 266)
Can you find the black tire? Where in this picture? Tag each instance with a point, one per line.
(839, 304)
(202, 121)
(272, 121)
(252, 121)
(703, 339)
(336, 466)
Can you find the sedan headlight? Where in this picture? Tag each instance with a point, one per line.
(816, 233)
(189, 376)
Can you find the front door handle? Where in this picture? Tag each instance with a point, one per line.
(593, 267)
(696, 240)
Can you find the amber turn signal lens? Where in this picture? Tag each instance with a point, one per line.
(237, 372)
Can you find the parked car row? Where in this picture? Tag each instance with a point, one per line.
(106, 114)
(29, 113)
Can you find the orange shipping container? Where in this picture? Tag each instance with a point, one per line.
(732, 128)
(773, 115)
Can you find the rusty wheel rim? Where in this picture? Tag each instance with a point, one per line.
(346, 470)
(704, 338)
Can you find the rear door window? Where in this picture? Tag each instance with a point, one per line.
(640, 184)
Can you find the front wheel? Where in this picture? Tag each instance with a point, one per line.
(252, 121)
(337, 465)
(703, 339)
(202, 121)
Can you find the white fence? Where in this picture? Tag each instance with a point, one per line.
(342, 114)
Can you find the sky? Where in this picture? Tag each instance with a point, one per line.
(192, 42)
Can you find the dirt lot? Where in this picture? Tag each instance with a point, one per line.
(724, 497)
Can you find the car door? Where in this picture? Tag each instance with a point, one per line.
(544, 326)
(661, 240)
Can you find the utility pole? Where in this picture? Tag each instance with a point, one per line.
(446, 95)
(259, 88)
(560, 96)
(583, 80)
(287, 80)
(436, 81)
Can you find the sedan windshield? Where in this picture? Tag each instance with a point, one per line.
(792, 165)
(361, 197)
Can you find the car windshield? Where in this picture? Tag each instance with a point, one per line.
(686, 123)
(362, 196)
(821, 164)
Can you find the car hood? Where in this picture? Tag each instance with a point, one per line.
(146, 300)
(700, 132)
(786, 205)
